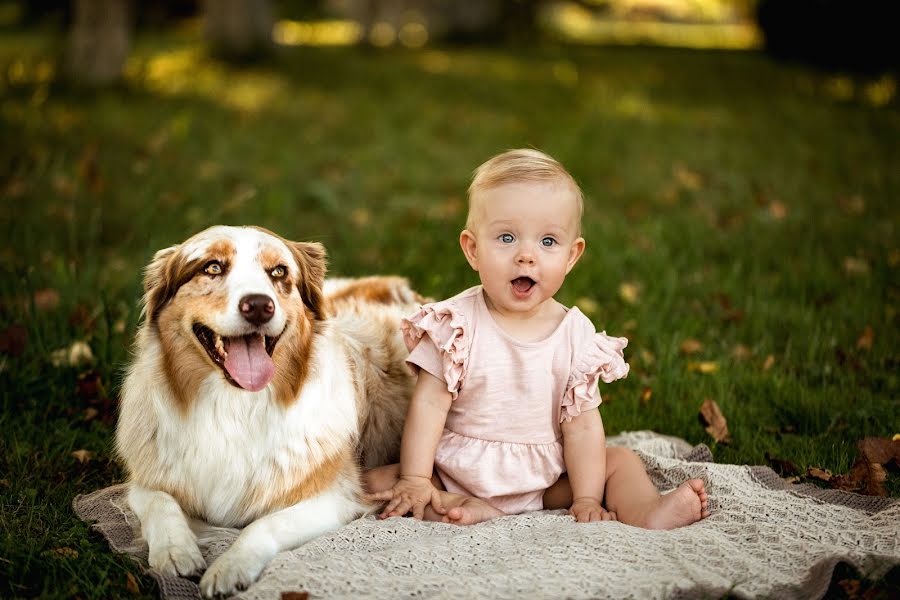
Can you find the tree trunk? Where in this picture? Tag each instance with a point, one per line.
(239, 29)
(99, 41)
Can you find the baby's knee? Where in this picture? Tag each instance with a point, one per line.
(621, 456)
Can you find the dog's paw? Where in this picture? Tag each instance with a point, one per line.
(182, 558)
(231, 572)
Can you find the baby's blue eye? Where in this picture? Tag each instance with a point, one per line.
(548, 242)
(506, 238)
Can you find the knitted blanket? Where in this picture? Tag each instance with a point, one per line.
(765, 538)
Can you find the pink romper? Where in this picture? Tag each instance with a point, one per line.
(502, 441)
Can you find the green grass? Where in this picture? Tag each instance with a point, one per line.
(752, 206)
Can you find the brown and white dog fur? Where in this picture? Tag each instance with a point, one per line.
(256, 394)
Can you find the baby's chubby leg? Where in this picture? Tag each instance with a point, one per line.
(633, 497)
(630, 496)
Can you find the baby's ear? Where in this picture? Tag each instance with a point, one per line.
(310, 257)
(469, 247)
(575, 253)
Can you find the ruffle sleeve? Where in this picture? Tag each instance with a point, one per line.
(446, 329)
(601, 359)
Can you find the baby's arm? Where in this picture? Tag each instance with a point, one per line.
(421, 434)
(584, 448)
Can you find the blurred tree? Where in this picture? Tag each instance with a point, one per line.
(98, 41)
(239, 29)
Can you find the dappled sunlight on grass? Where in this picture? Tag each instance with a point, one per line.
(576, 24)
(879, 92)
(191, 71)
(317, 33)
(636, 106)
(498, 66)
(336, 32)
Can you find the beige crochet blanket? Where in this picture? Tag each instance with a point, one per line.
(765, 538)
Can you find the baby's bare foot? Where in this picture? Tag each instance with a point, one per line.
(470, 511)
(687, 504)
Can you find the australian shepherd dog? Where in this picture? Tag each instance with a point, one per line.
(256, 394)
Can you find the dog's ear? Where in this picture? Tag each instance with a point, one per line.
(160, 281)
(310, 258)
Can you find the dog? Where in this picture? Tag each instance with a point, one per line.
(256, 394)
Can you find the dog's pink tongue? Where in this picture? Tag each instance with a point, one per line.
(248, 363)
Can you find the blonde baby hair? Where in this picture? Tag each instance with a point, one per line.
(522, 165)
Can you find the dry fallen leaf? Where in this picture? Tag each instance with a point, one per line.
(867, 476)
(83, 456)
(880, 450)
(690, 346)
(706, 366)
(646, 394)
(855, 266)
(778, 210)
(687, 178)
(46, 299)
(770, 360)
(865, 340)
(82, 318)
(65, 552)
(131, 584)
(714, 421)
(820, 474)
(740, 352)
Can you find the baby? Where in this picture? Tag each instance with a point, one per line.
(504, 415)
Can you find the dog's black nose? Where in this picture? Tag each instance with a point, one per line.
(257, 308)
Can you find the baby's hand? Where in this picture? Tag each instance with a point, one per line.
(588, 509)
(410, 494)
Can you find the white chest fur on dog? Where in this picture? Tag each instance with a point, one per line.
(253, 397)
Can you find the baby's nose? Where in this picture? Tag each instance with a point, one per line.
(525, 258)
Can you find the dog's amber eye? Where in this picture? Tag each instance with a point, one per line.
(278, 272)
(213, 268)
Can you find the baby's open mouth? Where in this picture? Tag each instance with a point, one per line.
(523, 284)
(246, 360)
